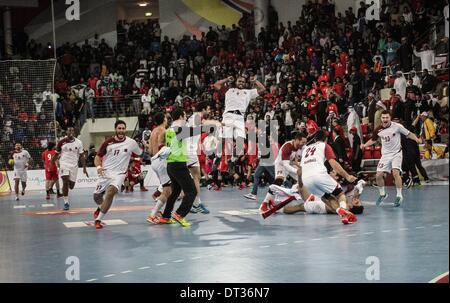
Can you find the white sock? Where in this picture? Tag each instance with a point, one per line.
(399, 192)
(100, 216)
(66, 199)
(343, 204)
(157, 207)
(197, 201)
(382, 192)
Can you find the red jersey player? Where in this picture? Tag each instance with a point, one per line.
(51, 170)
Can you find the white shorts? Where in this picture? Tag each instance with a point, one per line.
(115, 180)
(315, 207)
(159, 166)
(320, 184)
(20, 174)
(282, 172)
(71, 171)
(234, 126)
(192, 161)
(389, 162)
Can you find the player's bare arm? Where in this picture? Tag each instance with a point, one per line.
(83, 157)
(338, 168)
(413, 136)
(98, 165)
(218, 85)
(259, 86)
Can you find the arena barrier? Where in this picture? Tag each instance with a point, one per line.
(36, 178)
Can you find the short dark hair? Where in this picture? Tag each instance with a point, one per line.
(357, 210)
(50, 145)
(320, 135)
(386, 112)
(201, 106)
(298, 135)
(177, 112)
(118, 122)
(159, 118)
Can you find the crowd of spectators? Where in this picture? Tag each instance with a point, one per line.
(338, 69)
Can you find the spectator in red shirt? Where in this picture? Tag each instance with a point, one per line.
(339, 68)
(323, 76)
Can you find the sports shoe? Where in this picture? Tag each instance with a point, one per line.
(346, 216)
(163, 220)
(66, 206)
(398, 201)
(381, 199)
(203, 209)
(144, 189)
(98, 224)
(17, 198)
(250, 196)
(153, 219)
(47, 197)
(96, 213)
(183, 221)
(242, 186)
(59, 195)
(23, 192)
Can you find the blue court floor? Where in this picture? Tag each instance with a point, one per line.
(232, 244)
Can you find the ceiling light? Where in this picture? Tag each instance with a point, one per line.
(148, 14)
(143, 4)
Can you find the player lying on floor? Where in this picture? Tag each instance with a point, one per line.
(315, 205)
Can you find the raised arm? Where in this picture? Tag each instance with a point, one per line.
(218, 85)
(338, 168)
(259, 86)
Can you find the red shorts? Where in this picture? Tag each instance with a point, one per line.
(51, 175)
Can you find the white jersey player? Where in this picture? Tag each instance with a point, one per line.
(284, 166)
(159, 153)
(69, 151)
(236, 102)
(112, 162)
(391, 154)
(192, 144)
(22, 161)
(315, 177)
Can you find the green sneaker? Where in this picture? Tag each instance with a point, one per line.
(398, 201)
(381, 199)
(183, 221)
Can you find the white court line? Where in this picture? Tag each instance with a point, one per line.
(195, 258)
(264, 246)
(420, 227)
(31, 206)
(316, 239)
(333, 237)
(19, 206)
(144, 267)
(91, 223)
(386, 231)
(351, 235)
(91, 280)
(299, 241)
(126, 271)
(437, 225)
(178, 261)
(110, 275)
(281, 244)
(438, 277)
(161, 264)
(404, 228)
(369, 233)
(48, 205)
